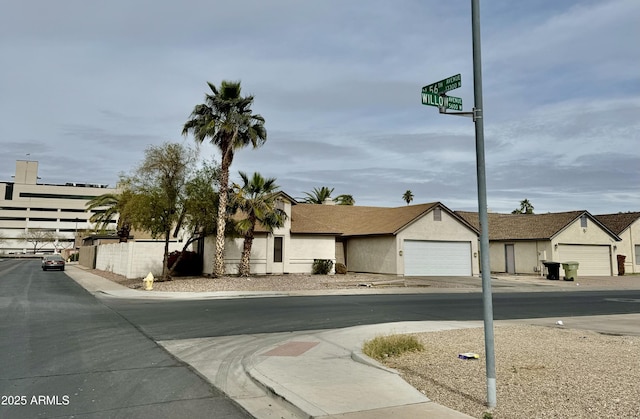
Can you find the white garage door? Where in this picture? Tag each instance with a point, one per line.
(593, 260)
(431, 258)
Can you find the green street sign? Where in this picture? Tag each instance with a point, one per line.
(453, 103)
(442, 101)
(432, 99)
(450, 83)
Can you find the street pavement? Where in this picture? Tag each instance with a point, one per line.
(64, 354)
(320, 374)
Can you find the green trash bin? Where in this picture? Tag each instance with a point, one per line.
(570, 270)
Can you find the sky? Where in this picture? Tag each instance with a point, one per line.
(87, 86)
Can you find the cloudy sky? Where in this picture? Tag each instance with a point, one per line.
(87, 86)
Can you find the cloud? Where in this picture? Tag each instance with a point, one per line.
(88, 86)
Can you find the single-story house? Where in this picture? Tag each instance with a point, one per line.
(412, 240)
(520, 243)
(627, 226)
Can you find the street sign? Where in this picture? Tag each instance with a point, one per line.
(445, 85)
(453, 103)
(432, 99)
(441, 101)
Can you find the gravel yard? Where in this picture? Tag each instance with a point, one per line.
(542, 372)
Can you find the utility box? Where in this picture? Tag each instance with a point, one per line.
(570, 270)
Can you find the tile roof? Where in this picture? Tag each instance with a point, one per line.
(618, 222)
(524, 226)
(354, 220)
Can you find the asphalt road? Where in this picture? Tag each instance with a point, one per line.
(183, 319)
(65, 354)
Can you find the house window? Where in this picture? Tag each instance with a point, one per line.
(637, 254)
(583, 221)
(437, 214)
(277, 249)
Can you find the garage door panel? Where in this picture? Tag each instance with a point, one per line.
(434, 258)
(593, 260)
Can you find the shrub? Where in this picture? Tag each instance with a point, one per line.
(382, 347)
(190, 264)
(341, 268)
(321, 266)
(74, 257)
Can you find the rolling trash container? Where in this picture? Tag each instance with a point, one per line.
(553, 269)
(570, 270)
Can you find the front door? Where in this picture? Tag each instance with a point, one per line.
(510, 258)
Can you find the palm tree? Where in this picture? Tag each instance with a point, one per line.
(408, 196)
(318, 195)
(107, 207)
(345, 200)
(226, 120)
(525, 208)
(256, 199)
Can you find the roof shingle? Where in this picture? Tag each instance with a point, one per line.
(523, 226)
(618, 222)
(353, 220)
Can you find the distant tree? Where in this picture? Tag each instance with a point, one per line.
(345, 200)
(38, 237)
(158, 192)
(320, 195)
(408, 197)
(107, 207)
(525, 208)
(226, 119)
(256, 200)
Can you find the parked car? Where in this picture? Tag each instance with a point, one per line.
(54, 261)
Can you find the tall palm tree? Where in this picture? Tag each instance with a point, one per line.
(225, 119)
(408, 196)
(256, 199)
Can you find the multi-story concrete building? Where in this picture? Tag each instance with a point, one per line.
(40, 217)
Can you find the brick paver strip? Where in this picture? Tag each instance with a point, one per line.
(291, 349)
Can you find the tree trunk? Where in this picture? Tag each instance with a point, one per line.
(245, 266)
(218, 267)
(173, 267)
(165, 259)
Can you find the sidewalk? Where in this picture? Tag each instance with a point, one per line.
(302, 374)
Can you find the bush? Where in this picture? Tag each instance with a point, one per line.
(383, 347)
(341, 268)
(189, 265)
(74, 257)
(321, 266)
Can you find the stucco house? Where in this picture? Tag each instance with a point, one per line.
(412, 240)
(275, 253)
(519, 243)
(627, 226)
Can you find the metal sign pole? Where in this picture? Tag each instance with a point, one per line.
(487, 300)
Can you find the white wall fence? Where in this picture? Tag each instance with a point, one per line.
(133, 259)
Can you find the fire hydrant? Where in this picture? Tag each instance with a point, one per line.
(148, 282)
